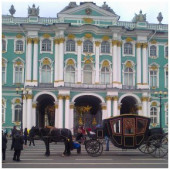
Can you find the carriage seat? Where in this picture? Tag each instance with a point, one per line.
(155, 131)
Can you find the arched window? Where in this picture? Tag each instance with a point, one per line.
(154, 115)
(88, 46)
(105, 75)
(17, 113)
(18, 73)
(128, 48)
(46, 74)
(19, 45)
(70, 74)
(87, 74)
(3, 45)
(128, 76)
(70, 45)
(153, 50)
(166, 51)
(153, 78)
(105, 47)
(46, 45)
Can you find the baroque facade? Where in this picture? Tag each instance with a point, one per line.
(82, 67)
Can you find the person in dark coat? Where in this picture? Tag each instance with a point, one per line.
(18, 146)
(25, 136)
(31, 136)
(79, 134)
(106, 136)
(14, 130)
(4, 145)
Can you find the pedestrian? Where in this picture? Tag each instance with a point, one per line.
(14, 130)
(76, 146)
(25, 136)
(79, 134)
(31, 136)
(106, 136)
(18, 145)
(4, 146)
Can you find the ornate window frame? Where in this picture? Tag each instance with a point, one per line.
(4, 109)
(166, 113)
(45, 61)
(15, 43)
(155, 104)
(165, 80)
(154, 67)
(166, 46)
(93, 46)
(157, 47)
(105, 53)
(18, 62)
(75, 46)
(133, 48)
(41, 40)
(6, 41)
(4, 64)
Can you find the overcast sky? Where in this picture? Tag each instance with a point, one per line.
(126, 9)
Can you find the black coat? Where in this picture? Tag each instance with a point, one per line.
(18, 142)
(4, 142)
(25, 134)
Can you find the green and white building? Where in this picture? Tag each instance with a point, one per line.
(83, 66)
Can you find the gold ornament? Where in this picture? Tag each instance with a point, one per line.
(105, 63)
(115, 98)
(154, 104)
(119, 43)
(108, 98)
(19, 36)
(144, 45)
(79, 42)
(97, 43)
(88, 61)
(60, 97)
(34, 105)
(35, 40)
(56, 41)
(67, 97)
(56, 106)
(61, 40)
(46, 36)
(46, 61)
(138, 45)
(153, 42)
(70, 62)
(88, 35)
(94, 122)
(104, 108)
(18, 63)
(71, 106)
(17, 101)
(105, 38)
(88, 20)
(145, 99)
(29, 40)
(114, 42)
(29, 96)
(128, 64)
(71, 36)
(119, 107)
(80, 121)
(129, 39)
(154, 67)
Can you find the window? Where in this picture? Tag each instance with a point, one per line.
(19, 45)
(70, 74)
(3, 45)
(88, 46)
(87, 74)
(166, 114)
(105, 75)
(17, 113)
(154, 115)
(166, 79)
(70, 45)
(3, 113)
(46, 45)
(166, 51)
(46, 74)
(128, 76)
(153, 51)
(153, 78)
(3, 74)
(128, 48)
(18, 74)
(105, 47)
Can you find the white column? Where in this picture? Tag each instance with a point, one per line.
(139, 109)
(114, 63)
(29, 61)
(97, 43)
(119, 61)
(67, 114)
(60, 111)
(35, 62)
(71, 117)
(115, 105)
(29, 111)
(56, 115)
(79, 77)
(145, 106)
(108, 103)
(56, 63)
(24, 113)
(34, 105)
(145, 65)
(138, 46)
(104, 111)
(61, 62)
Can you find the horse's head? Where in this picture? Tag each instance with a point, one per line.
(35, 131)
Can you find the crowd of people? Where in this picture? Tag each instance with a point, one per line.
(19, 139)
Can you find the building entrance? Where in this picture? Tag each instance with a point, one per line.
(87, 112)
(129, 105)
(45, 113)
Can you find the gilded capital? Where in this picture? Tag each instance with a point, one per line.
(29, 96)
(29, 40)
(56, 41)
(144, 45)
(114, 42)
(79, 42)
(67, 97)
(104, 108)
(119, 107)
(61, 40)
(71, 106)
(144, 99)
(108, 98)
(138, 45)
(97, 43)
(119, 43)
(35, 40)
(56, 106)
(115, 98)
(34, 105)
(60, 97)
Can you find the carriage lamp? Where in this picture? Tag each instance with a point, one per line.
(160, 95)
(22, 92)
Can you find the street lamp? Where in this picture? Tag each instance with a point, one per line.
(23, 92)
(160, 95)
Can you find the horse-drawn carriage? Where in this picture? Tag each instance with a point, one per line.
(129, 132)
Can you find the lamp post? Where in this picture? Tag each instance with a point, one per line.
(23, 92)
(160, 95)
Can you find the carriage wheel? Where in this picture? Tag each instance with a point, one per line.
(158, 145)
(93, 147)
(144, 148)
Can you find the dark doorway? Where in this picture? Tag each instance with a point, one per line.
(87, 112)
(45, 114)
(128, 106)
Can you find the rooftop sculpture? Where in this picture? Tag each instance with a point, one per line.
(33, 11)
(140, 17)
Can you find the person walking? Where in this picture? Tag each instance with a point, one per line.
(31, 137)
(14, 130)
(106, 136)
(18, 145)
(25, 136)
(4, 146)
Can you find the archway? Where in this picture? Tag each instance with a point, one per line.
(87, 112)
(128, 105)
(45, 113)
